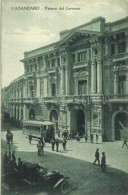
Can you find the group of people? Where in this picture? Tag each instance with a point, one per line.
(56, 142)
(103, 160)
(40, 147)
(9, 162)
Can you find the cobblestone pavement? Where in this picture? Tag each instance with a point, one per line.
(117, 157)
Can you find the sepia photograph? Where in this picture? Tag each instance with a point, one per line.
(64, 97)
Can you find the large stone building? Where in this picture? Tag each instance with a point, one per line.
(79, 82)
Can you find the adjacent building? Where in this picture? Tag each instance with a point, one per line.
(79, 82)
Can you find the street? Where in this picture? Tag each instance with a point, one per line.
(78, 155)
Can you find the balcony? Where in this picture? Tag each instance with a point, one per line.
(78, 65)
(53, 99)
(76, 99)
(52, 69)
(120, 57)
(123, 98)
(31, 100)
(15, 100)
(97, 98)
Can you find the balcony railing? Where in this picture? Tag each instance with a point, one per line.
(88, 99)
(116, 98)
(121, 56)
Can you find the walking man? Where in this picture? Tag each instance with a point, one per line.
(39, 148)
(86, 137)
(103, 162)
(97, 156)
(11, 138)
(13, 156)
(30, 138)
(53, 143)
(97, 138)
(42, 147)
(125, 142)
(91, 137)
(64, 144)
(57, 144)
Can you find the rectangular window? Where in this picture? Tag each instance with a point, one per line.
(82, 56)
(32, 91)
(48, 64)
(53, 89)
(122, 84)
(58, 60)
(82, 87)
(53, 63)
(122, 47)
(73, 58)
(31, 68)
(113, 49)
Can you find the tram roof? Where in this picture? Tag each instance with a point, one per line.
(34, 122)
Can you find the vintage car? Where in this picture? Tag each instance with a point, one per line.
(33, 176)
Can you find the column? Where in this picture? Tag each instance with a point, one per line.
(67, 80)
(50, 86)
(24, 112)
(99, 77)
(38, 88)
(115, 84)
(93, 78)
(44, 61)
(45, 87)
(76, 85)
(62, 80)
(13, 111)
(20, 112)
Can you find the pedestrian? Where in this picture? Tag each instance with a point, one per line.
(97, 138)
(125, 142)
(103, 162)
(11, 138)
(30, 138)
(5, 161)
(58, 133)
(13, 156)
(39, 148)
(91, 137)
(97, 157)
(77, 137)
(53, 143)
(42, 147)
(64, 144)
(57, 144)
(86, 137)
(19, 164)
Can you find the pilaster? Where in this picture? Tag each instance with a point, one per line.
(99, 77)
(93, 78)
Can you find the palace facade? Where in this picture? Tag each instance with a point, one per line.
(79, 82)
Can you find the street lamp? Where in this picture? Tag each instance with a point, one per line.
(8, 141)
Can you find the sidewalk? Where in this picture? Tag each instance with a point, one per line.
(117, 157)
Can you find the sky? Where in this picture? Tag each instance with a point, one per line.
(25, 30)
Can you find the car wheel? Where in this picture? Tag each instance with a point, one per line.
(65, 187)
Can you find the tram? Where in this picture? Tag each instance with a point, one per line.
(39, 129)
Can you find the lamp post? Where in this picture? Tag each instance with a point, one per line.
(9, 139)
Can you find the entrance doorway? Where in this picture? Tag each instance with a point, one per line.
(121, 126)
(32, 114)
(78, 122)
(54, 118)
